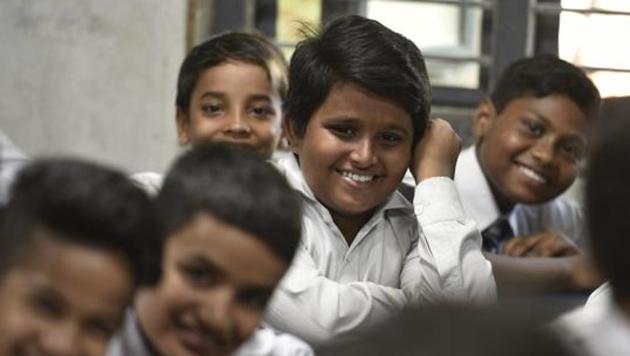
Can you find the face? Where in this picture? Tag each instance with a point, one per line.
(51, 305)
(217, 280)
(233, 102)
(531, 150)
(354, 151)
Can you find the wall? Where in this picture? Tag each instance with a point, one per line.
(92, 78)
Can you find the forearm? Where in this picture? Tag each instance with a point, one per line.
(453, 267)
(322, 311)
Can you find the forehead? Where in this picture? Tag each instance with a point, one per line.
(87, 279)
(234, 77)
(347, 100)
(237, 254)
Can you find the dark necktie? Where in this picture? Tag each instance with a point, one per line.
(496, 234)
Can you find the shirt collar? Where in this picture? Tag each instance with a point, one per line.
(474, 190)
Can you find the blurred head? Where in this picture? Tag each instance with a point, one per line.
(232, 225)
(230, 89)
(358, 103)
(74, 241)
(608, 201)
(532, 132)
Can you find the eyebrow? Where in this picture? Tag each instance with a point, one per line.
(351, 120)
(221, 95)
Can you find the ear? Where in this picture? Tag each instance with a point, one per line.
(183, 127)
(484, 118)
(292, 135)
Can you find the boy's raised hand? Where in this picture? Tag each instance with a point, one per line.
(436, 153)
(545, 244)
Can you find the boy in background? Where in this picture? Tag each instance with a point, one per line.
(230, 89)
(531, 137)
(74, 241)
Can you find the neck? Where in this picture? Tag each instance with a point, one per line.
(349, 225)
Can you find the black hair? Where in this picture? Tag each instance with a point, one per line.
(231, 46)
(237, 187)
(545, 75)
(360, 51)
(83, 203)
(608, 200)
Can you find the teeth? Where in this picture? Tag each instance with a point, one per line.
(533, 175)
(357, 177)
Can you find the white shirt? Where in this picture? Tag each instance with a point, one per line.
(598, 329)
(11, 160)
(560, 214)
(333, 292)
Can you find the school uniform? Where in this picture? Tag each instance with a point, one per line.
(600, 328)
(405, 254)
(130, 341)
(11, 160)
(560, 214)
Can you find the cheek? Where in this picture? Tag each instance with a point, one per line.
(247, 321)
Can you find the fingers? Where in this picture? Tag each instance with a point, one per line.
(545, 244)
(521, 246)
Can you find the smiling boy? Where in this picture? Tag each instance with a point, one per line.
(356, 114)
(231, 228)
(74, 241)
(531, 136)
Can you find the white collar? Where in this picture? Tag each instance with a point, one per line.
(474, 190)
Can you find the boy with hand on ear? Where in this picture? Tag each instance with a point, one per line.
(357, 119)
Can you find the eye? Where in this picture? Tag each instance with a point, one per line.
(572, 150)
(261, 112)
(211, 109)
(534, 128)
(343, 131)
(47, 304)
(255, 299)
(390, 138)
(200, 276)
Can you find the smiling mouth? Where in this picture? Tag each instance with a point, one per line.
(532, 174)
(199, 341)
(357, 178)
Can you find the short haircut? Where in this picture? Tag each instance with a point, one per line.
(231, 46)
(86, 204)
(238, 188)
(357, 50)
(608, 201)
(545, 75)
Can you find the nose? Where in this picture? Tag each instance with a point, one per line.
(543, 151)
(363, 154)
(62, 340)
(215, 314)
(237, 125)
